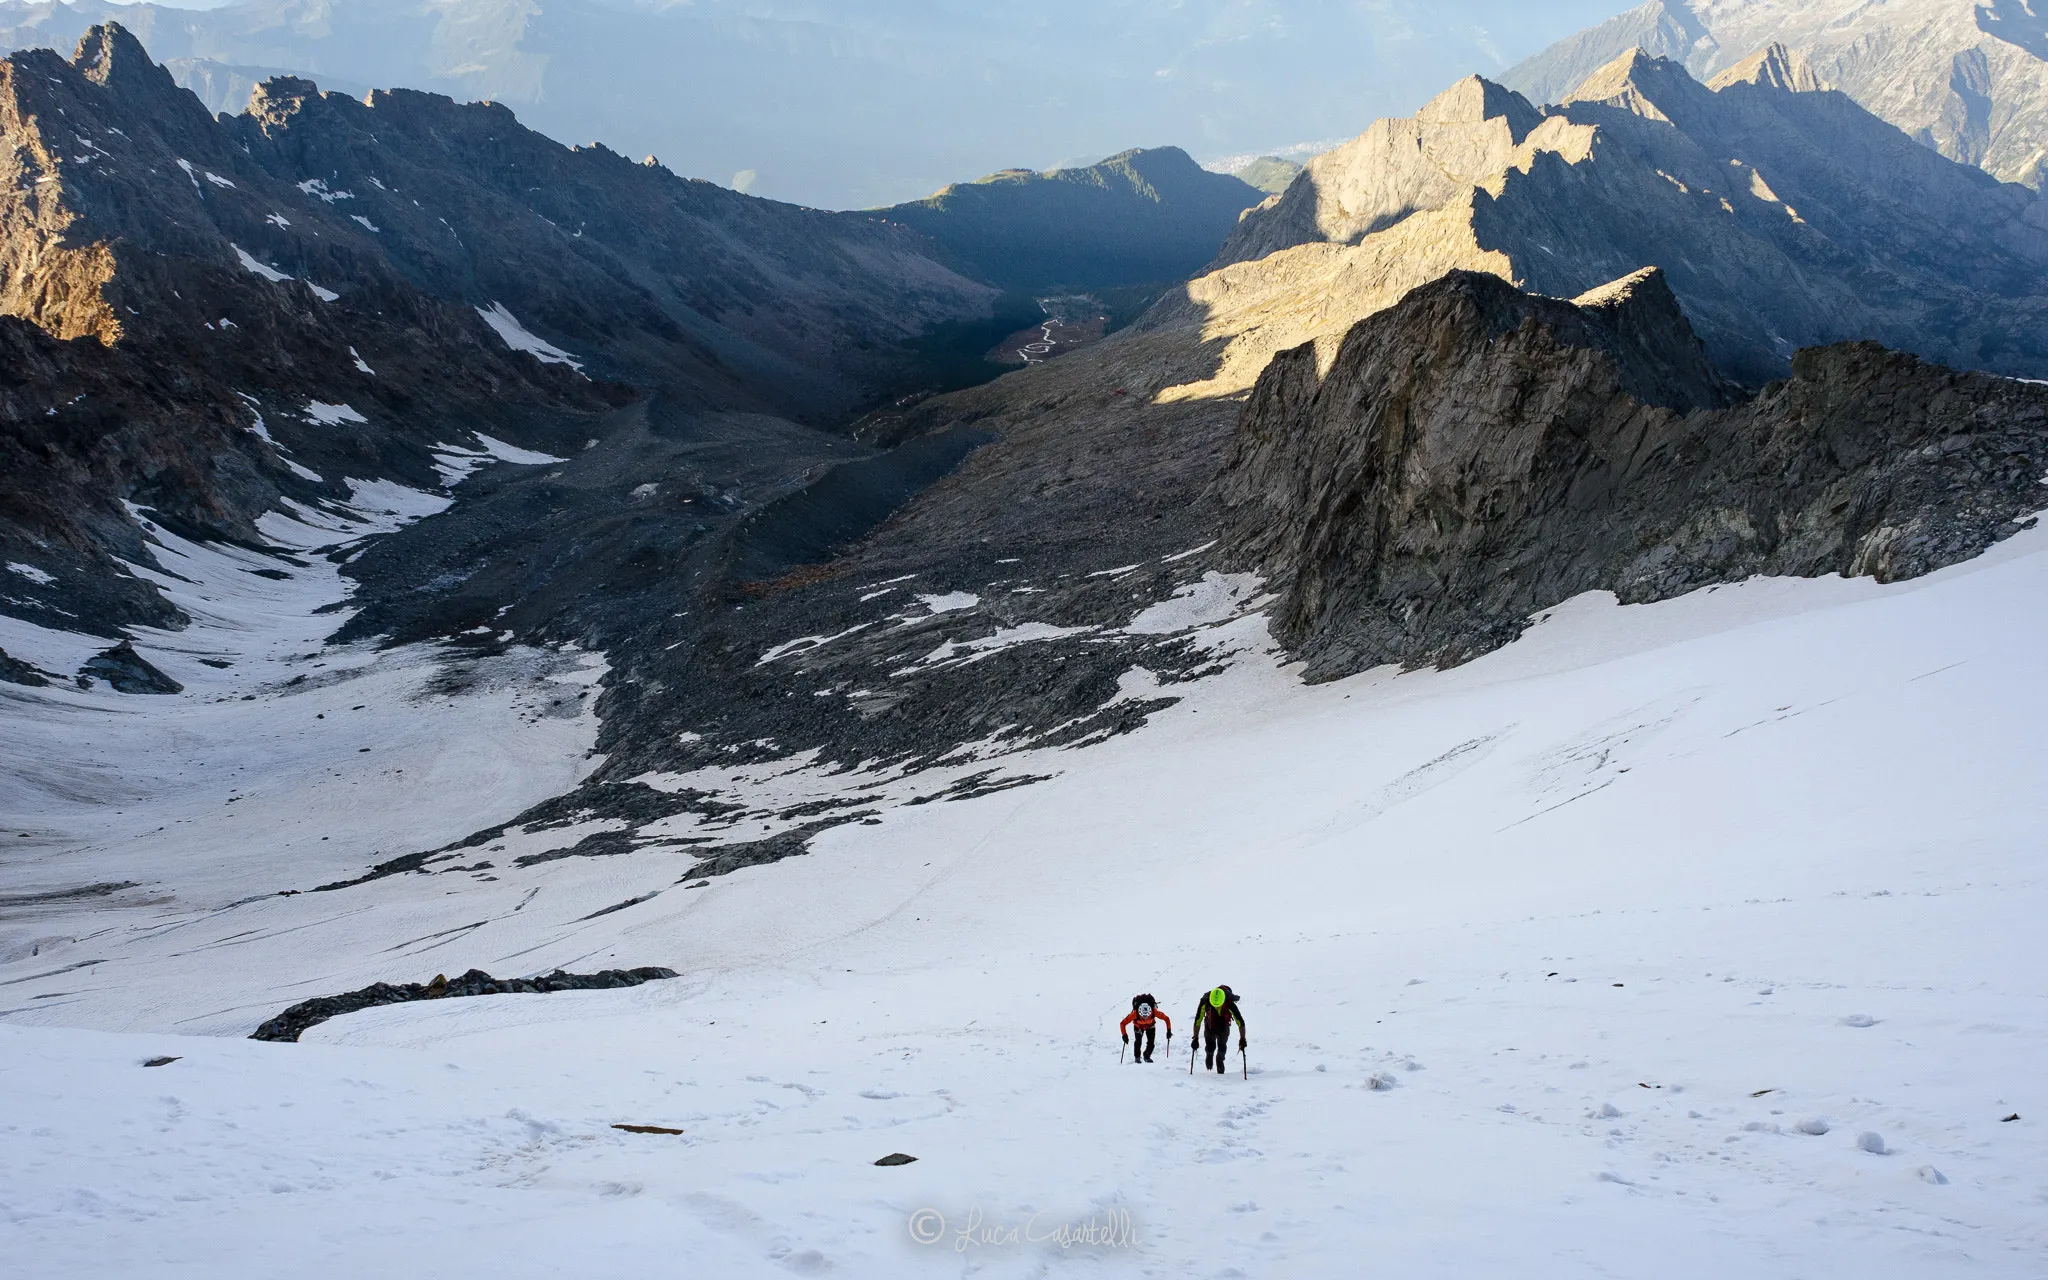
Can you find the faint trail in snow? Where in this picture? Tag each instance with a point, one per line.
(1416, 781)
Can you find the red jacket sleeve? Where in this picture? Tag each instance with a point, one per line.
(1161, 1015)
(1129, 1018)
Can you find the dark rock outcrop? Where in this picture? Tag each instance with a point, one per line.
(295, 1021)
(14, 671)
(127, 671)
(1476, 454)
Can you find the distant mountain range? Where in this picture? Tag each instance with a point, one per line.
(1136, 218)
(1967, 77)
(853, 105)
(1784, 215)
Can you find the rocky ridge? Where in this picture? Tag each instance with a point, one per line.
(1476, 454)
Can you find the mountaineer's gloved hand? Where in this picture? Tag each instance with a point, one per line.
(1127, 1038)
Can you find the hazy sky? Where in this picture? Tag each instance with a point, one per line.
(863, 102)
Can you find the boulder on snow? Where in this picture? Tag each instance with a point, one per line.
(126, 670)
(1874, 1144)
(897, 1158)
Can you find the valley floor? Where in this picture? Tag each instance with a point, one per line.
(1599, 956)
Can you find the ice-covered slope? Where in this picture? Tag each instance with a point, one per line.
(1967, 77)
(1617, 940)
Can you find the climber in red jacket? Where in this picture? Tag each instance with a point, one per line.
(1144, 1012)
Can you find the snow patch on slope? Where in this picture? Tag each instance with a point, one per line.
(255, 267)
(518, 337)
(332, 415)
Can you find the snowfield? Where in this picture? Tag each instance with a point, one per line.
(1700, 939)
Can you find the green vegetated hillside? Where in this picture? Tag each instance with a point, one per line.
(1139, 217)
(1269, 174)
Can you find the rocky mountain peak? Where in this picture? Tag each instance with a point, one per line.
(1662, 361)
(110, 55)
(280, 97)
(1638, 82)
(1773, 67)
(1475, 100)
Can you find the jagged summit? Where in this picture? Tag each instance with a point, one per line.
(1475, 100)
(1635, 81)
(1392, 170)
(1776, 67)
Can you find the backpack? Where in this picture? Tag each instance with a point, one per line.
(1146, 1000)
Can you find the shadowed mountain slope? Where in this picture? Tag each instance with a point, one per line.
(1136, 218)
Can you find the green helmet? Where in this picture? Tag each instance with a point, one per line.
(1217, 997)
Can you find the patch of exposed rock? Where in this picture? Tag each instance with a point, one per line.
(1477, 454)
(307, 1014)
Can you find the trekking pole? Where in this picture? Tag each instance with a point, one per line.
(1244, 1062)
(1191, 1052)
(1119, 1057)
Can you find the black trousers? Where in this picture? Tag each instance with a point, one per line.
(1142, 1040)
(1215, 1044)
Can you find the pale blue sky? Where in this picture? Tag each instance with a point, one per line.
(863, 102)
